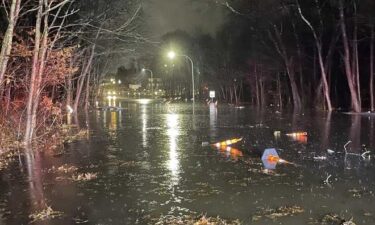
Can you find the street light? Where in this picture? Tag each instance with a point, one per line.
(152, 79)
(171, 55)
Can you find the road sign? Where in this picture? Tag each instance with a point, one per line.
(212, 94)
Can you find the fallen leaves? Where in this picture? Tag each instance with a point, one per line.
(45, 214)
(84, 176)
(68, 172)
(192, 220)
(282, 211)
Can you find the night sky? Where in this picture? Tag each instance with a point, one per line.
(192, 16)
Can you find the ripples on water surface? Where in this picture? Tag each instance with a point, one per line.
(150, 161)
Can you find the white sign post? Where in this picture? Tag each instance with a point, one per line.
(212, 95)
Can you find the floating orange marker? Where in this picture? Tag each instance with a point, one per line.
(270, 159)
(227, 142)
(273, 158)
(297, 134)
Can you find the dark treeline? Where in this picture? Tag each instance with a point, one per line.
(303, 54)
(54, 53)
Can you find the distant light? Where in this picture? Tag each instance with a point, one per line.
(109, 97)
(70, 109)
(109, 92)
(143, 69)
(144, 101)
(171, 54)
(156, 93)
(119, 82)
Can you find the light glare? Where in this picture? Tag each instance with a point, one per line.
(171, 54)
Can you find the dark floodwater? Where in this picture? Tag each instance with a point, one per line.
(150, 161)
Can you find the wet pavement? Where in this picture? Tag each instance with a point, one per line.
(148, 160)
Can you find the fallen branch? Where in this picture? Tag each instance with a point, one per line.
(347, 143)
(326, 181)
(363, 155)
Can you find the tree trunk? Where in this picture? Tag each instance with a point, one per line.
(257, 85)
(293, 84)
(289, 65)
(372, 68)
(6, 45)
(34, 85)
(262, 93)
(299, 54)
(355, 65)
(87, 96)
(279, 91)
(318, 43)
(82, 79)
(326, 89)
(348, 70)
(69, 91)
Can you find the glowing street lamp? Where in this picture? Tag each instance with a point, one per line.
(171, 55)
(152, 79)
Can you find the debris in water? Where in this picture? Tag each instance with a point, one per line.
(334, 219)
(277, 134)
(45, 214)
(320, 158)
(279, 212)
(63, 169)
(363, 155)
(326, 181)
(331, 152)
(84, 176)
(205, 143)
(192, 220)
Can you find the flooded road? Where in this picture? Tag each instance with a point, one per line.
(148, 160)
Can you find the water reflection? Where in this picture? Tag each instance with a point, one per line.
(144, 126)
(34, 172)
(173, 132)
(213, 121)
(230, 152)
(120, 114)
(113, 124)
(326, 132)
(354, 148)
(355, 134)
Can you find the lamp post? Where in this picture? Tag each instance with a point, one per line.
(173, 55)
(152, 80)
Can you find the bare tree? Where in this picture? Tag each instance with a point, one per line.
(6, 45)
(43, 42)
(276, 38)
(351, 78)
(318, 43)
